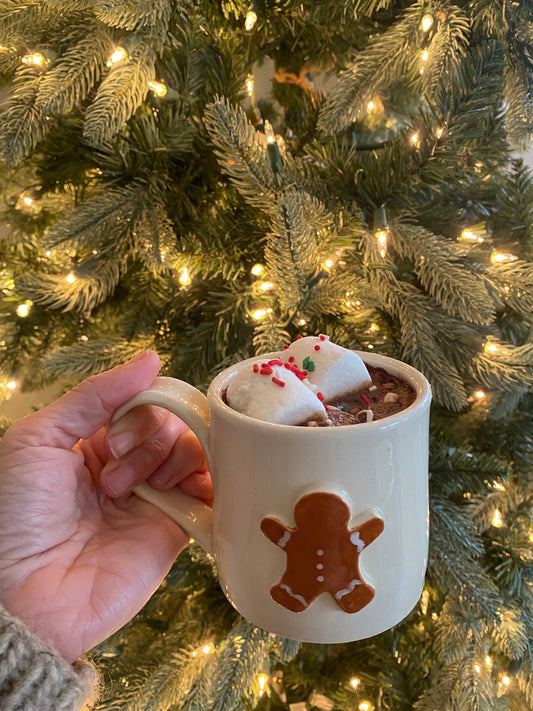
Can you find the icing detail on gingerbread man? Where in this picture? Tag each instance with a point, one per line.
(322, 553)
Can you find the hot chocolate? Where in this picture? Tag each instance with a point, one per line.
(317, 383)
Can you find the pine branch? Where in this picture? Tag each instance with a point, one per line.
(23, 123)
(240, 152)
(387, 59)
(83, 294)
(84, 358)
(108, 222)
(120, 93)
(511, 369)
(74, 75)
(437, 264)
(133, 14)
(455, 548)
(243, 658)
(292, 248)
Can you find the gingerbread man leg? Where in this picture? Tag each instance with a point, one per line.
(354, 597)
(284, 595)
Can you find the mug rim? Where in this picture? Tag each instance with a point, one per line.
(414, 377)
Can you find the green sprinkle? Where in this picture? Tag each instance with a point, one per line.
(308, 364)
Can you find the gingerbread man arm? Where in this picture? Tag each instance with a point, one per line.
(363, 535)
(275, 531)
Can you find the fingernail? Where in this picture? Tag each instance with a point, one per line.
(120, 443)
(160, 478)
(119, 478)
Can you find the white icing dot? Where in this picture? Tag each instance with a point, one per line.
(320, 552)
(319, 566)
(320, 578)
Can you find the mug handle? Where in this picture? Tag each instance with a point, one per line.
(190, 405)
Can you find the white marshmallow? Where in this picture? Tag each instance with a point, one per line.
(331, 369)
(257, 395)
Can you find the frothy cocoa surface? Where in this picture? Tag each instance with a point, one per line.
(387, 395)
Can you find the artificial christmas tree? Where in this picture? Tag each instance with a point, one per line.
(155, 198)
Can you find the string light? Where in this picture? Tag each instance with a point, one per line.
(424, 56)
(37, 58)
(366, 706)
(479, 394)
(184, 277)
(257, 269)
(370, 106)
(502, 258)
(426, 23)
(251, 19)
(71, 278)
(260, 313)
(495, 348)
(266, 285)
(302, 322)
(158, 88)
(477, 668)
(250, 86)
(439, 132)
(11, 384)
(354, 682)
(205, 649)
(381, 230)
(415, 139)
(118, 55)
(24, 309)
(262, 681)
(497, 520)
(488, 661)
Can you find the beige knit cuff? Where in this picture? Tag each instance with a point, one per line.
(34, 677)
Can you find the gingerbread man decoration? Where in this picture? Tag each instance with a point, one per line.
(322, 553)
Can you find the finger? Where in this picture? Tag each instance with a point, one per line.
(120, 476)
(199, 485)
(136, 426)
(81, 412)
(187, 456)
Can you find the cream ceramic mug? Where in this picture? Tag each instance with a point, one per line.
(319, 534)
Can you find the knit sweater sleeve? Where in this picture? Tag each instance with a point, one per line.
(34, 677)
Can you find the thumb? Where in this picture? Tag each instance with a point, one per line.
(83, 410)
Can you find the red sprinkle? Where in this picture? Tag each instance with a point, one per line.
(285, 347)
(256, 368)
(322, 337)
(301, 374)
(278, 381)
(298, 337)
(317, 347)
(365, 399)
(320, 396)
(265, 369)
(275, 361)
(291, 359)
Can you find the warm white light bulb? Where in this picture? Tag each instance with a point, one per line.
(24, 309)
(497, 520)
(184, 277)
(354, 682)
(426, 23)
(251, 19)
(71, 278)
(381, 238)
(501, 258)
(118, 55)
(158, 88)
(11, 384)
(257, 269)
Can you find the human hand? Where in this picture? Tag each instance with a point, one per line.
(79, 553)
